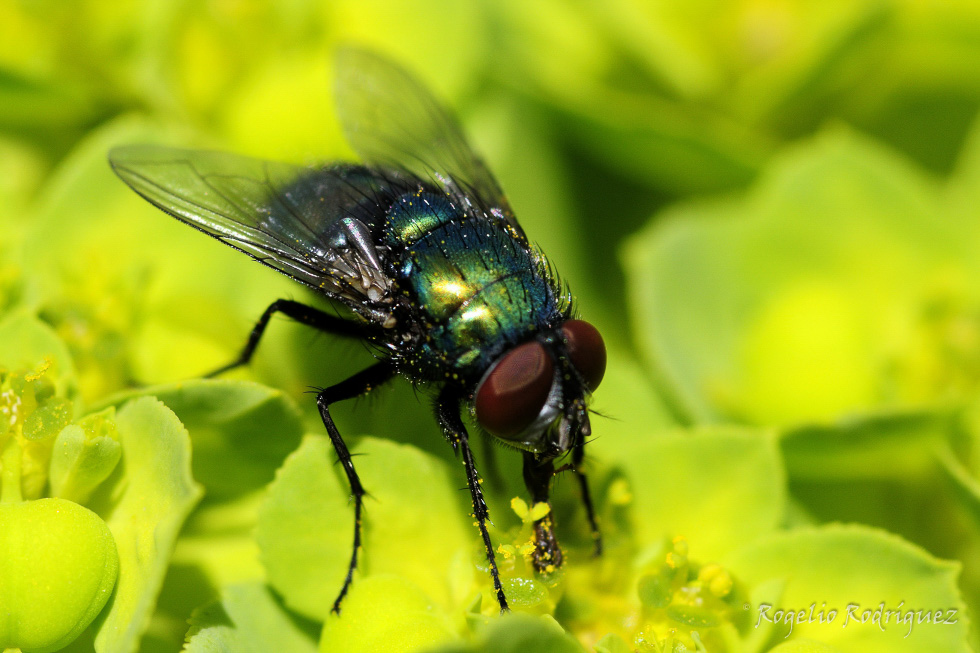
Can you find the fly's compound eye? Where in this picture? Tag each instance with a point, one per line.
(514, 391)
(586, 351)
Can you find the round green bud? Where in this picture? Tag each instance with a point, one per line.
(57, 569)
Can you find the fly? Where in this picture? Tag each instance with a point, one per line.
(422, 256)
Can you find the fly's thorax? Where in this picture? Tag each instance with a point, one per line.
(475, 289)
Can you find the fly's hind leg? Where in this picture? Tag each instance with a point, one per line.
(312, 317)
(357, 385)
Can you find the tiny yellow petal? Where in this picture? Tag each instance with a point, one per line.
(518, 505)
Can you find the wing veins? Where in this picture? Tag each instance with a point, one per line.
(254, 229)
(290, 207)
(287, 256)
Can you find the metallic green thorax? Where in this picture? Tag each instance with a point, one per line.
(476, 286)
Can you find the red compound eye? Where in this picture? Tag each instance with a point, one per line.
(586, 350)
(514, 392)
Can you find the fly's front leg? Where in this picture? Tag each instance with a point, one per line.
(547, 555)
(356, 385)
(447, 413)
(578, 453)
(312, 317)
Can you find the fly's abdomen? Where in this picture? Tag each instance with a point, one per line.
(477, 289)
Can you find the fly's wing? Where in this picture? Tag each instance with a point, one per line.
(391, 120)
(288, 217)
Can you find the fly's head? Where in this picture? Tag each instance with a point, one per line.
(534, 396)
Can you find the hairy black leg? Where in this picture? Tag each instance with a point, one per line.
(447, 414)
(356, 385)
(578, 453)
(303, 314)
(537, 477)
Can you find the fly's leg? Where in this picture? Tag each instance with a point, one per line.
(361, 383)
(578, 453)
(447, 414)
(303, 314)
(547, 554)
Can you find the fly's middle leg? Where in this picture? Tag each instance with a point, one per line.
(357, 385)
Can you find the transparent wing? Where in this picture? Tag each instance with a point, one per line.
(285, 216)
(391, 120)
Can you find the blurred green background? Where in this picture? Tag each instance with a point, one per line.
(769, 207)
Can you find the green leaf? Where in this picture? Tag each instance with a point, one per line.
(891, 446)
(216, 550)
(247, 619)
(859, 572)
(615, 113)
(518, 633)
(145, 502)
(963, 189)
(627, 404)
(414, 524)
(673, 149)
(40, 105)
(386, 613)
(21, 172)
(769, 592)
(835, 286)
(25, 342)
(612, 644)
(241, 430)
(805, 646)
(720, 488)
(218, 542)
(966, 487)
(767, 73)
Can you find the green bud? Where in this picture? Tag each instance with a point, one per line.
(526, 593)
(84, 455)
(58, 568)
